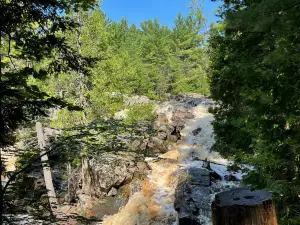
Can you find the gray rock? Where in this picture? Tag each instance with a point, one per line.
(192, 196)
(144, 144)
(181, 115)
(173, 138)
(162, 135)
(157, 142)
(196, 131)
(199, 176)
(135, 144)
(179, 98)
(106, 171)
(133, 100)
(162, 119)
(142, 166)
(164, 128)
(83, 198)
(113, 192)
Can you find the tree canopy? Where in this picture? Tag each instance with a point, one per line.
(255, 80)
(31, 34)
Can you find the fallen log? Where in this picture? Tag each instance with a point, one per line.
(242, 206)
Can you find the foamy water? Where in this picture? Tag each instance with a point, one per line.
(201, 143)
(154, 204)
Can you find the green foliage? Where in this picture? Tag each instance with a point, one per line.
(29, 35)
(32, 48)
(48, 61)
(255, 67)
(151, 61)
(141, 113)
(66, 119)
(96, 137)
(192, 64)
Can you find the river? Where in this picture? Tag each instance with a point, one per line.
(154, 204)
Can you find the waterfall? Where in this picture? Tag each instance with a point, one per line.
(154, 204)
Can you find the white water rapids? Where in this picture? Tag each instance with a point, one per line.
(154, 204)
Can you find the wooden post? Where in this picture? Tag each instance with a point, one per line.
(46, 168)
(242, 206)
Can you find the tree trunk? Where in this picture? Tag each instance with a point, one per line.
(1, 142)
(82, 98)
(1, 188)
(71, 185)
(86, 176)
(242, 206)
(46, 169)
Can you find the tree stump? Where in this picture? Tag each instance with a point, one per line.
(242, 206)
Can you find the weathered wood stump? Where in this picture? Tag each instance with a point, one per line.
(242, 206)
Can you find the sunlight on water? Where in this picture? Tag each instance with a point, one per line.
(199, 145)
(154, 204)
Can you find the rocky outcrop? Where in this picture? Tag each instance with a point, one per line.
(105, 174)
(170, 120)
(195, 192)
(133, 100)
(103, 182)
(110, 175)
(191, 196)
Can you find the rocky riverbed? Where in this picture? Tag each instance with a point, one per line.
(175, 184)
(180, 187)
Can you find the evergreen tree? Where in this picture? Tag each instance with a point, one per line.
(255, 64)
(157, 56)
(192, 60)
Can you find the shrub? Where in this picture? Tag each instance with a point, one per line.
(141, 113)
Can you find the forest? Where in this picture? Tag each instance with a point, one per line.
(82, 96)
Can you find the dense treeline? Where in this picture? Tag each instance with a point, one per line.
(153, 60)
(255, 79)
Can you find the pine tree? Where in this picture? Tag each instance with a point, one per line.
(192, 61)
(157, 55)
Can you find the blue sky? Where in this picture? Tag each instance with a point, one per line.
(137, 11)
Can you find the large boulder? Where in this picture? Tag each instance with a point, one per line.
(104, 182)
(170, 120)
(181, 115)
(104, 174)
(192, 196)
